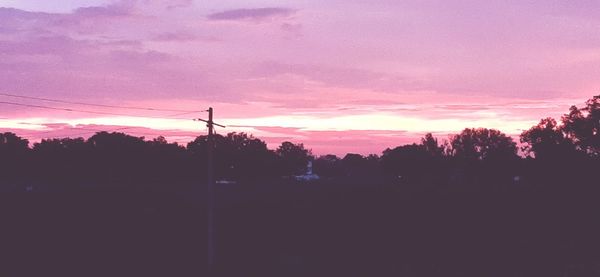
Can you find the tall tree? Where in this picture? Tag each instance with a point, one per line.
(11, 143)
(354, 164)
(237, 156)
(62, 161)
(248, 157)
(328, 166)
(583, 126)
(431, 145)
(117, 157)
(482, 144)
(408, 161)
(546, 140)
(293, 157)
(14, 157)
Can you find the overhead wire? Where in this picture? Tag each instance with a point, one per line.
(97, 105)
(91, 130)
(175, 116)
(74, 129)
(76, 110)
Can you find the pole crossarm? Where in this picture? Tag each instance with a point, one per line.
(208, 122)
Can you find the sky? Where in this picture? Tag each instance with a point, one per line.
(339, 76)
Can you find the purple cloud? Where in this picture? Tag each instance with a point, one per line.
(11, 13)
(343, 77)
(175, 36)
(250, 14)
(56, 45)
(137, 58)
(105, 11)
(181, 36)
(174, 4)
(15, 21)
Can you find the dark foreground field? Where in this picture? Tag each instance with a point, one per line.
(295, 229)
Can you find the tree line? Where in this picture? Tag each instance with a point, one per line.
(476, 204)
(570, 144)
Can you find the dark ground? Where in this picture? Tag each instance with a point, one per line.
(320, 229)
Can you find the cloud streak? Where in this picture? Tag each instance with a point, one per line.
(114, 10)
(256, 14)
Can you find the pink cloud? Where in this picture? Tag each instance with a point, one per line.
(56, 45)
(136, 58)
(250, 14)
(293, 29)
(346, 77)
(171, 36)
(114, 10)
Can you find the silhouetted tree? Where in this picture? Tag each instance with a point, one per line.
(431, 145)
(62, 161)
(11, 144)
(373, 166)
(14, 158)
(482, 155)
(328, 166)
(166, 163)
(546, 140)
(482, 144)
(115, 157)
(408, 162)
(248, 157)
(416, 162)
(237, 156)
(355, 165)
(583, 126)
(293, 158)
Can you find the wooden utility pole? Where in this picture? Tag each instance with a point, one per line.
(210, 196)
(211, 192)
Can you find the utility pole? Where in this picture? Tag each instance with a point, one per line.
(210, 196)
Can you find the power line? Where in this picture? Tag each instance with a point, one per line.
(32, 136)
(91, 112)
(131, 131)
(99, 105)
(89, 130)
(78, 134)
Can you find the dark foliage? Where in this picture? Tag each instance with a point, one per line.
(120, 205)
(292, 158)
(14, 155)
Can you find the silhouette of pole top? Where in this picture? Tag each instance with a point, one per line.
(209, 121)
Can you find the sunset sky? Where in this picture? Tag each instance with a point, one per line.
(339, 76)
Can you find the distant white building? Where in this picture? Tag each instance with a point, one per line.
(309, 175)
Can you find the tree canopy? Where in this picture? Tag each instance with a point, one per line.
(111, 158)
